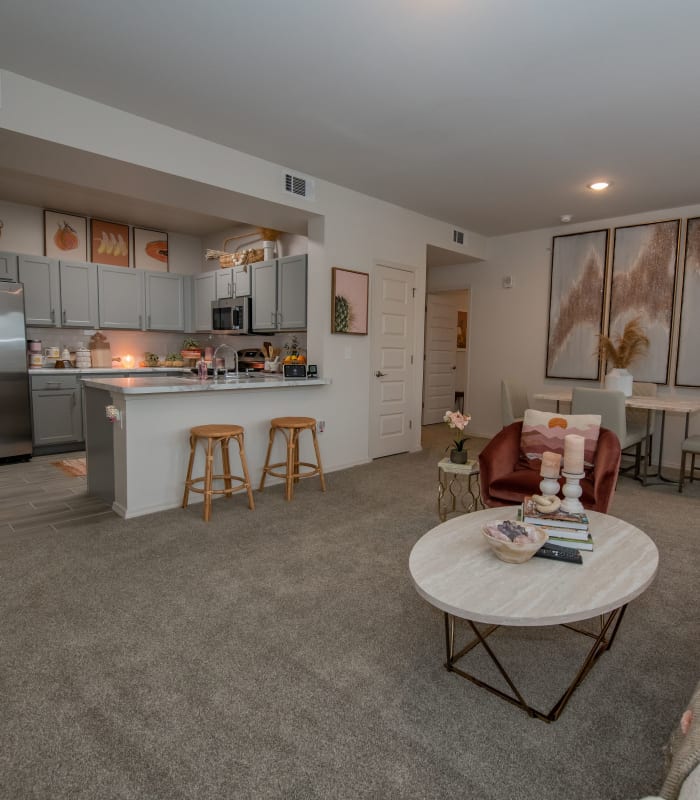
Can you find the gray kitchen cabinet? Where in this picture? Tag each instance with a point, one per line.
(204, 293)
(121, 297)
(241, 280)
(279, 294)
(8, 266)
(57, 419)
(78, 294)
(224, 283)
(165, 301)
(42, 295)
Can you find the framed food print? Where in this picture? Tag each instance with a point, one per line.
(109, 243)
(65, 235)
(576, 302)
(688, 363)
(643, 287)
(150, 249)
(349, 297)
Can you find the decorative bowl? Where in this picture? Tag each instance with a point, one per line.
(514, 542)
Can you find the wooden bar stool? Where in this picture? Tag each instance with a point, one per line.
(690, 446)
(211, 436)
(291, 427)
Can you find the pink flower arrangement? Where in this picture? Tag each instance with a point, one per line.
(459, 422)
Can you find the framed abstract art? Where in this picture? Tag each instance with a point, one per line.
(65, 235)
(576, 298)
(688, 363)
(643, 287)
(349, 298)
(109, 243)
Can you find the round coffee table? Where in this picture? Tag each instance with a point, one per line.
(455, 570)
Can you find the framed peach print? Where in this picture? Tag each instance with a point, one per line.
(150, 250)
(688, 363)
(349, 297)
(644, 287)
(576, 296)
(109, 243)
(65, 235)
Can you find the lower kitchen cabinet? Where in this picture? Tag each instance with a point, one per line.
(57, 416)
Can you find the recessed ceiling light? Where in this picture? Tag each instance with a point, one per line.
(598, 186)
(566, 217)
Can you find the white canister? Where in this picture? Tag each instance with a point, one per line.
(36, 360)
(268, 250)
(51, 352)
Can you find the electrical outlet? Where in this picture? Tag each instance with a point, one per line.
(321, 425)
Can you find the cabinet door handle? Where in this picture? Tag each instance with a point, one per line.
(279, 319)
(64, 314)
(140, 321)
(53, 315)
(148, 324)
(273, 322)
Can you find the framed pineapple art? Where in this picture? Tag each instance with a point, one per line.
(349, 301)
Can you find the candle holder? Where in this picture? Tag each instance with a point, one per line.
(572, 491)
(549, 486)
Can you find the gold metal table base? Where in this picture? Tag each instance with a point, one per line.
(458, 492)
(609, 622)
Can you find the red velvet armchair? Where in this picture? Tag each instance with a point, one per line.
(506, 481)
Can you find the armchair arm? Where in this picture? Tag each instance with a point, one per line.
(607, 466)
(499, 457)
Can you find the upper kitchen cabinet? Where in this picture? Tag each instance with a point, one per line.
(279, 294)
(8, 266)
(204, 292)
(42, 297)
(233, 282)
(78, 294)
(121, 293)
(165, 301)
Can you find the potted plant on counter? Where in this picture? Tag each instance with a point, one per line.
(191, 349)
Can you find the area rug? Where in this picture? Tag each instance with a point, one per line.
(72, 466)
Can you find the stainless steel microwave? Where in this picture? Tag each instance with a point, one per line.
(231, 314)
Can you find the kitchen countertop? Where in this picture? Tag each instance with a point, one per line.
(161, 384)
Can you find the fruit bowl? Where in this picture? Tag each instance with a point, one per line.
(514, 542)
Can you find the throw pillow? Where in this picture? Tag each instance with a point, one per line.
(543, 430)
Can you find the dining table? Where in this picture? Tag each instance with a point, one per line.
(651, 404)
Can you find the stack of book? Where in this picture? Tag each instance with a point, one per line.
(563, 528)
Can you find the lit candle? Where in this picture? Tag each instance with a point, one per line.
(550, 464)
(573, 454)
(128, 361)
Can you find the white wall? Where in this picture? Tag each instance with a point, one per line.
(509, 326)
(345, 229)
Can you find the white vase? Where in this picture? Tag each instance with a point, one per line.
(619, 380)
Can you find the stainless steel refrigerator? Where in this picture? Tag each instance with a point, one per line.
(15, 412)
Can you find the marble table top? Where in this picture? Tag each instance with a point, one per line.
(681, 405)
(454, 569)
(190, 383)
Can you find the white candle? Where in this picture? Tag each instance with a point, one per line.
(573, 454)
(550, 464)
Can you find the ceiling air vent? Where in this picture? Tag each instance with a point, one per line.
(298, 185)
(458, 236)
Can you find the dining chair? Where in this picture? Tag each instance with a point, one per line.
(611, 407)
(514, 401)
(637, 417)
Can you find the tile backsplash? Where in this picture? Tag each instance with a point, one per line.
(137, 343)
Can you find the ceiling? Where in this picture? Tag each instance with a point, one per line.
(491, 115)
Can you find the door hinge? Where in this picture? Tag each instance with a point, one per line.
(410, 424)
(411, 359)
(414, 291)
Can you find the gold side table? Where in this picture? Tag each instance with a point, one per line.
(459, 490)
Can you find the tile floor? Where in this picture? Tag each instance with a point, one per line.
(35, 495)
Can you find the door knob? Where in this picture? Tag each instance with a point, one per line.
(379, 374)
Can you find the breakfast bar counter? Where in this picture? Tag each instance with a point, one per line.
(137, 430)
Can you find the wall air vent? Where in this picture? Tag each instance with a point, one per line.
(299, 185)
(458, 236)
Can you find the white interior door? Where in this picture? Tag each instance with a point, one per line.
(440, 358)
(392, 361)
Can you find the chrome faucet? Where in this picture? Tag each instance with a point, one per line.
(213, 359)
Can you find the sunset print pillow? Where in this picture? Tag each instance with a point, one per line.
(543, 430)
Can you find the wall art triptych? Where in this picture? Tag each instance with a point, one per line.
(642, 286)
